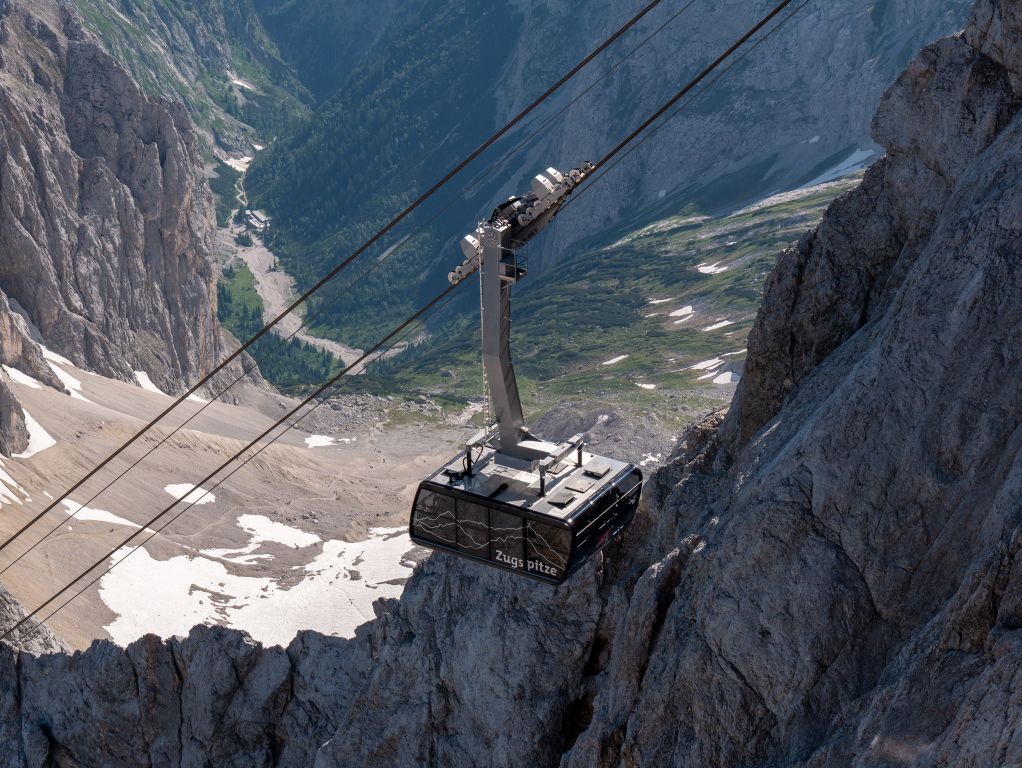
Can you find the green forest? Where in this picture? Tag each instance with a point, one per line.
(371, 148)
(288, 365)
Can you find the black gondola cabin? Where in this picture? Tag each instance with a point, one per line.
(542, 524)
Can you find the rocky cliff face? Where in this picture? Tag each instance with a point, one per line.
(106, 223)
(29, 640)
(830, 575)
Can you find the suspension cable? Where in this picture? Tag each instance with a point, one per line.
(153, 533)
(419, 314)
(474, 184)
(343, 264)
(422, 312)
(308, 319)
(152, 449)
(681, 107)
(693, 83)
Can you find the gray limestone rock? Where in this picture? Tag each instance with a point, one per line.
(106, 221)
(830, 576)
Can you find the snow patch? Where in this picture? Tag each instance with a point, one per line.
(659, 301)
(8, 486)
(195, 495)
(147, 384)
(73, 385)
(718, 326)
(38, 438)
(53, 357)
(262, 529)
(645, 386)
(706, 365)
(728, 377)
(651, 458)
(79, 512)
(615, 360)
(683, 312)
(712, 269)
(22, 378)
(319, 441)
(168, 597)
(197, 399)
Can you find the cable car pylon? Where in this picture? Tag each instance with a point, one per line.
(441, 537)
(512, 500)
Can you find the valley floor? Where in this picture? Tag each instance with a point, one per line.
(307, 536)
(277, 291)
(311, 532)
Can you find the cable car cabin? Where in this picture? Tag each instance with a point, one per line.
(512, 501)
(544, 524)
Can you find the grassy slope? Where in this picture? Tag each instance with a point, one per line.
(597, 307)
(154, 40)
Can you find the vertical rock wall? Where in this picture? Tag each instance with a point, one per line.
(106, 221)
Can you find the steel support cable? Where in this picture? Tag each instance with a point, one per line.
(28, 632)
(152, 449)
(343, 264)
(153, 533)
(693, 83)
(421, 313)
(473, 185)
(617, 150)
(320, 311)
(596, 177)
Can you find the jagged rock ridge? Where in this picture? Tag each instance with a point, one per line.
(106, 226)
(829, 576)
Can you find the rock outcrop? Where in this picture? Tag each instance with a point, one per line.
(106, 221)
(830, 575)
(31, 639)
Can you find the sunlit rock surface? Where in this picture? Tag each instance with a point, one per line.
(107, 225)
(830, 575)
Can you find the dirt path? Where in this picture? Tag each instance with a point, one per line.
(276, 289)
